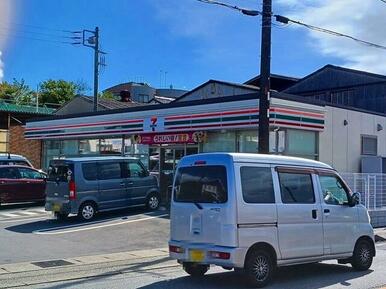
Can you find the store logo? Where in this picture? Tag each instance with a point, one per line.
(153, 122)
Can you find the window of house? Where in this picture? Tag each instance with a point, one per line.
(369, 145)
(3, 141)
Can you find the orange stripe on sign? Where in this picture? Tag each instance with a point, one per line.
(297, 112)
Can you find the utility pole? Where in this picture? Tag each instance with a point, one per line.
(96, 68)
(93, 42)
(265, 73)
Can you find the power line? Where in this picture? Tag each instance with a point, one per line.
(35, 33)
(286, 20)
(37, 27)
(36, 39)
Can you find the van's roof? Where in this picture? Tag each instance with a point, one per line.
(103, 158)
(267, 159)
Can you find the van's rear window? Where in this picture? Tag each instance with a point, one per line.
(60, 172)
(201, 184)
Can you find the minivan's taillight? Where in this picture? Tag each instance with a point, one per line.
(176, 249)
(219, 255)
(72, 189)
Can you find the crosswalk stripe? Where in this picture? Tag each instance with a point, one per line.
(31, 213)
(10, 215)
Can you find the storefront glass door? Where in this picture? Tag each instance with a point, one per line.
(163, 163)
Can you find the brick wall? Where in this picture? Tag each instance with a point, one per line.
(31, 149)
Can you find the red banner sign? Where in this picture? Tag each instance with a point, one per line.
(170, 138)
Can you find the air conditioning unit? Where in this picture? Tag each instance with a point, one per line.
(373, 164)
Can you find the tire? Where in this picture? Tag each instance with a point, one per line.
(152, 202)
(194, 269)
(259, 267)
(61, 216)
(362, 257)
(87, 211)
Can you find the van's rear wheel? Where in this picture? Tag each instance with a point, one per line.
(194, 269)
(259, 268)
(362, 257)
(87, 211)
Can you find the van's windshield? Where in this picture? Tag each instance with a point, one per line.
(60, 172)
(201, 184)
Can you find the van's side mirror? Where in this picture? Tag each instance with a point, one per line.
(355, 199)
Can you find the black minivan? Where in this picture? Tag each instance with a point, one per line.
(87, 185)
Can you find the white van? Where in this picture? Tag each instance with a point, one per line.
(255, 212)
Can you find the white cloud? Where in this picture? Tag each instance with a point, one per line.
(362, 19)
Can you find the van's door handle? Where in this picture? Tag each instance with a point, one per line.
(326, 211)
(314, 214)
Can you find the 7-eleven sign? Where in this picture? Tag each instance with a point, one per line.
(154, 124)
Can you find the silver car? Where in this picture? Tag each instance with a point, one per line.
(85, 186)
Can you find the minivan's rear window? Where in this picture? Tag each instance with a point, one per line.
(60, 172)
(201, 184)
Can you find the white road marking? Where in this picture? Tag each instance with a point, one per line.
(31, 213)
(50, 230)
(10, 215)
(21, 220)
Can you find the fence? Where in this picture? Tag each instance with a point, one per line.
(372, 188)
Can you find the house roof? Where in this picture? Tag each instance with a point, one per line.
(220, 82)
(278, 82)
(25, 109)
(331, 77)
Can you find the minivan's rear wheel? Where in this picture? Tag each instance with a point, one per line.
(87, 211)
(153, 202)
(363, 256)
(194, 269)
(259, 268)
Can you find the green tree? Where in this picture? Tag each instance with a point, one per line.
(106, 95)
(17, 92)
(60, 91)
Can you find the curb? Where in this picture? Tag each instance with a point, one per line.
(82, 260)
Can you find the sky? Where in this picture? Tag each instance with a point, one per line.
(182, 43)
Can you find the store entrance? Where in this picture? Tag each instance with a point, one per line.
(163, 161)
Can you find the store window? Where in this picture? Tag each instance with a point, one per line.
(302, 143)
(220, 142)
(247, 141)
(139, 151)
(369, 145)
(70, 147)
(89, 147)
(110, 146)
(4, 141)
(51, 150)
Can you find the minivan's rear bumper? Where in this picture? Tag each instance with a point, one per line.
(236, 255)
(61, 206)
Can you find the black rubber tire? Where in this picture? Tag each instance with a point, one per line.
(259, 262)
(362, 257)
(61, 216)
(194, 269)
(91, 208)
(153, 201)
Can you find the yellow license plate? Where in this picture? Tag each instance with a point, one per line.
(56, 207)
(197, 255)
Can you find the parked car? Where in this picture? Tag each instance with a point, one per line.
(256, 212)
(84, 186)
(11, 159)
(21, 184)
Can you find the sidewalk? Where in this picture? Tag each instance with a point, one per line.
(380, 234)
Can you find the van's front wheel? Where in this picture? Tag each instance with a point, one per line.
(153, 202)
(194, 269)
(259, 268)
(363, 256)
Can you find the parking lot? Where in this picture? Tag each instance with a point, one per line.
(28, 233)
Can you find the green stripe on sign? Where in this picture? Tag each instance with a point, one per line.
(297, 118)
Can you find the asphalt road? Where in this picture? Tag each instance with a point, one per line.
(27, 233)
(162, 273)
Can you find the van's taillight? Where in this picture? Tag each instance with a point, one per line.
(200, 162)
(72, 189)
(176, 249)
(219, 255)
